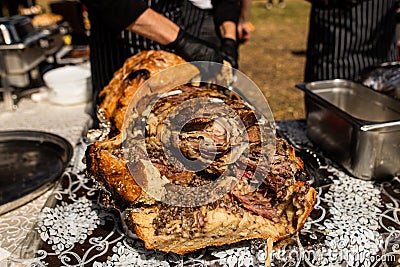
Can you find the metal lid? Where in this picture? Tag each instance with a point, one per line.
(15, 29)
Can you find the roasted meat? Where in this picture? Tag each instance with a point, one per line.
(197, 170)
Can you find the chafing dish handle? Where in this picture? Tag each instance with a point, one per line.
(6, 34)
(372, 127)
(302, 86)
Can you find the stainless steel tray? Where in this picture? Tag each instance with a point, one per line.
(356, 126)
(30, 162)
(15, 29)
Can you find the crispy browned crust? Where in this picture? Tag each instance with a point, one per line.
(114, 175)
(105, 162)
(117, 94)
(222, 227)
(225, 227)
(111, 172)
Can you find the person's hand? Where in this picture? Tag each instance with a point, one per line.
(229, 51)
(244, 31)
(191, 48)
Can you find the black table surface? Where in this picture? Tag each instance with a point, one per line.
(354, 223)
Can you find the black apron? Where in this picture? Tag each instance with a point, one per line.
(112, 53)
(342, 42)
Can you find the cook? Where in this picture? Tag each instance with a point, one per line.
(195, 30)
(347, 37)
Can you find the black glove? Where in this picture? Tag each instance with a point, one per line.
(193, 49)
(229, 51)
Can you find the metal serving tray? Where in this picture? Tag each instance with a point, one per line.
(357, 127)
(30, 163)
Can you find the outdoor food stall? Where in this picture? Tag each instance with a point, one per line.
(330, 193)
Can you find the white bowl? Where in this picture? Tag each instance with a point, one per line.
(69, 85)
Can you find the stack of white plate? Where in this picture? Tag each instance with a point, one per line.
(69, 85)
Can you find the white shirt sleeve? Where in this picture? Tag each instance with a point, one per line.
(202, 4)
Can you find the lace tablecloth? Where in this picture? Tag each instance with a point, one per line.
(69, 122)
(354, 223)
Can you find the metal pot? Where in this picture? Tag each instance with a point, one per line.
(356, 126)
